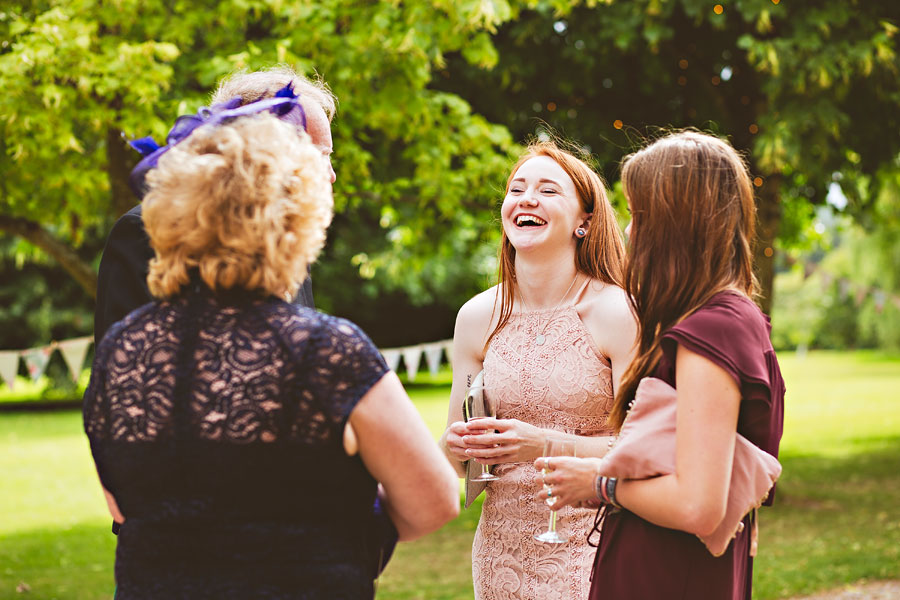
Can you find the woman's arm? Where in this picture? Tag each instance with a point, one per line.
(469, 335)
(421, 491)
(692, 499)
(708, 403)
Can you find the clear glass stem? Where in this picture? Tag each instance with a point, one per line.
(551, 526)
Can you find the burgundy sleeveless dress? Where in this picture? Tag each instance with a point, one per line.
(637, 560)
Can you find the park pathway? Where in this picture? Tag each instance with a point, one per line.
(877, 590)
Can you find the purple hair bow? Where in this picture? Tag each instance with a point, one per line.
(283, 103)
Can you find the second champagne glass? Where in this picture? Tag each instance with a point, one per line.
(554, 446)
(480, 403)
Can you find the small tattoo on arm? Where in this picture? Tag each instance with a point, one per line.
(469, 380)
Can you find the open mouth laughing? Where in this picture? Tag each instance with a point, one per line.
(526, 220)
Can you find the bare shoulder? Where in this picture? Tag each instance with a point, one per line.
(479, 310)
(606, 313)
(474, 320)
(606, 302)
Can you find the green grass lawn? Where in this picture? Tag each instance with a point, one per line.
(836, 519)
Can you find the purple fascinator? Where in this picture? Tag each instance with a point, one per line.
(283, 103)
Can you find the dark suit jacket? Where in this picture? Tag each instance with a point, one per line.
(122, 278)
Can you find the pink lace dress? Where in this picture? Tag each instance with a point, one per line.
(562, 384)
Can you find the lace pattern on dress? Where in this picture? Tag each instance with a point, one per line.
(565, 385)
(245, 361)
(208, 417)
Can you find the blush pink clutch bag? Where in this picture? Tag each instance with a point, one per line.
(646, 448)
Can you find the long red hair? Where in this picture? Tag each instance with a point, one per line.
(600, 254)
(693, 222)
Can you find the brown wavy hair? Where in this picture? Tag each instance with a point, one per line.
(599, 255)
(246, 204)
(693, 222)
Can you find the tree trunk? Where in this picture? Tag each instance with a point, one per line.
(120, 160)
(767, 225)
(81, 271)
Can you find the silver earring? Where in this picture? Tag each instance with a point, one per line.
(580, 232)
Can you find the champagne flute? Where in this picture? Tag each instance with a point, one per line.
(481, 404)
(554, 446)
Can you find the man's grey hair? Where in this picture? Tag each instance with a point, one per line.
(265, 83)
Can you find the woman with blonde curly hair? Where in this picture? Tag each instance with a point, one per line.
(243, 441)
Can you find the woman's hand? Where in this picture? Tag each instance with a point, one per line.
(454, 446)
(571, 480)
(492, 441)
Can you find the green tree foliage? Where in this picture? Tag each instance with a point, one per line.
(806, 90)
(847, 296)
(418, 171)
(867, 271)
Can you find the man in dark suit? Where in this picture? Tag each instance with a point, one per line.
(122, 277)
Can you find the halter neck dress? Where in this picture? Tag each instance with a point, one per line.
(564, 384)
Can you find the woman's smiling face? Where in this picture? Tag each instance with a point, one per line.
(541, 206)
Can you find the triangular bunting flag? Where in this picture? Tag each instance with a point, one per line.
(433, 354)
(448, 350)
(9, 366)
(411, 357)
(73, 352)
(879, 297)
(36, 360)
(392, 358)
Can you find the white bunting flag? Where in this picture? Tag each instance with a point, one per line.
(73, 352)
(433, 354)
(392, 358)
(36, 360)
(448, 350)
(9, 366)
(411, 357)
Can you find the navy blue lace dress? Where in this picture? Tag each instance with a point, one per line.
(216, 421)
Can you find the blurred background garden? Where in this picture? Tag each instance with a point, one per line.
(435, 100)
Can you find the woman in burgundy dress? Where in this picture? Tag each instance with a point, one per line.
(690, 279)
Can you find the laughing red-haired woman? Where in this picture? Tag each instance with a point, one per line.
(689, 277)
(553, 339)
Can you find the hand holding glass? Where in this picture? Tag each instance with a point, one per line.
(481, 404)
(554, 447)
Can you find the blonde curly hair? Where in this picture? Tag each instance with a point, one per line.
(246, 204)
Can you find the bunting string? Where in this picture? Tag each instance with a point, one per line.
(75, 350)
(859, 292)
